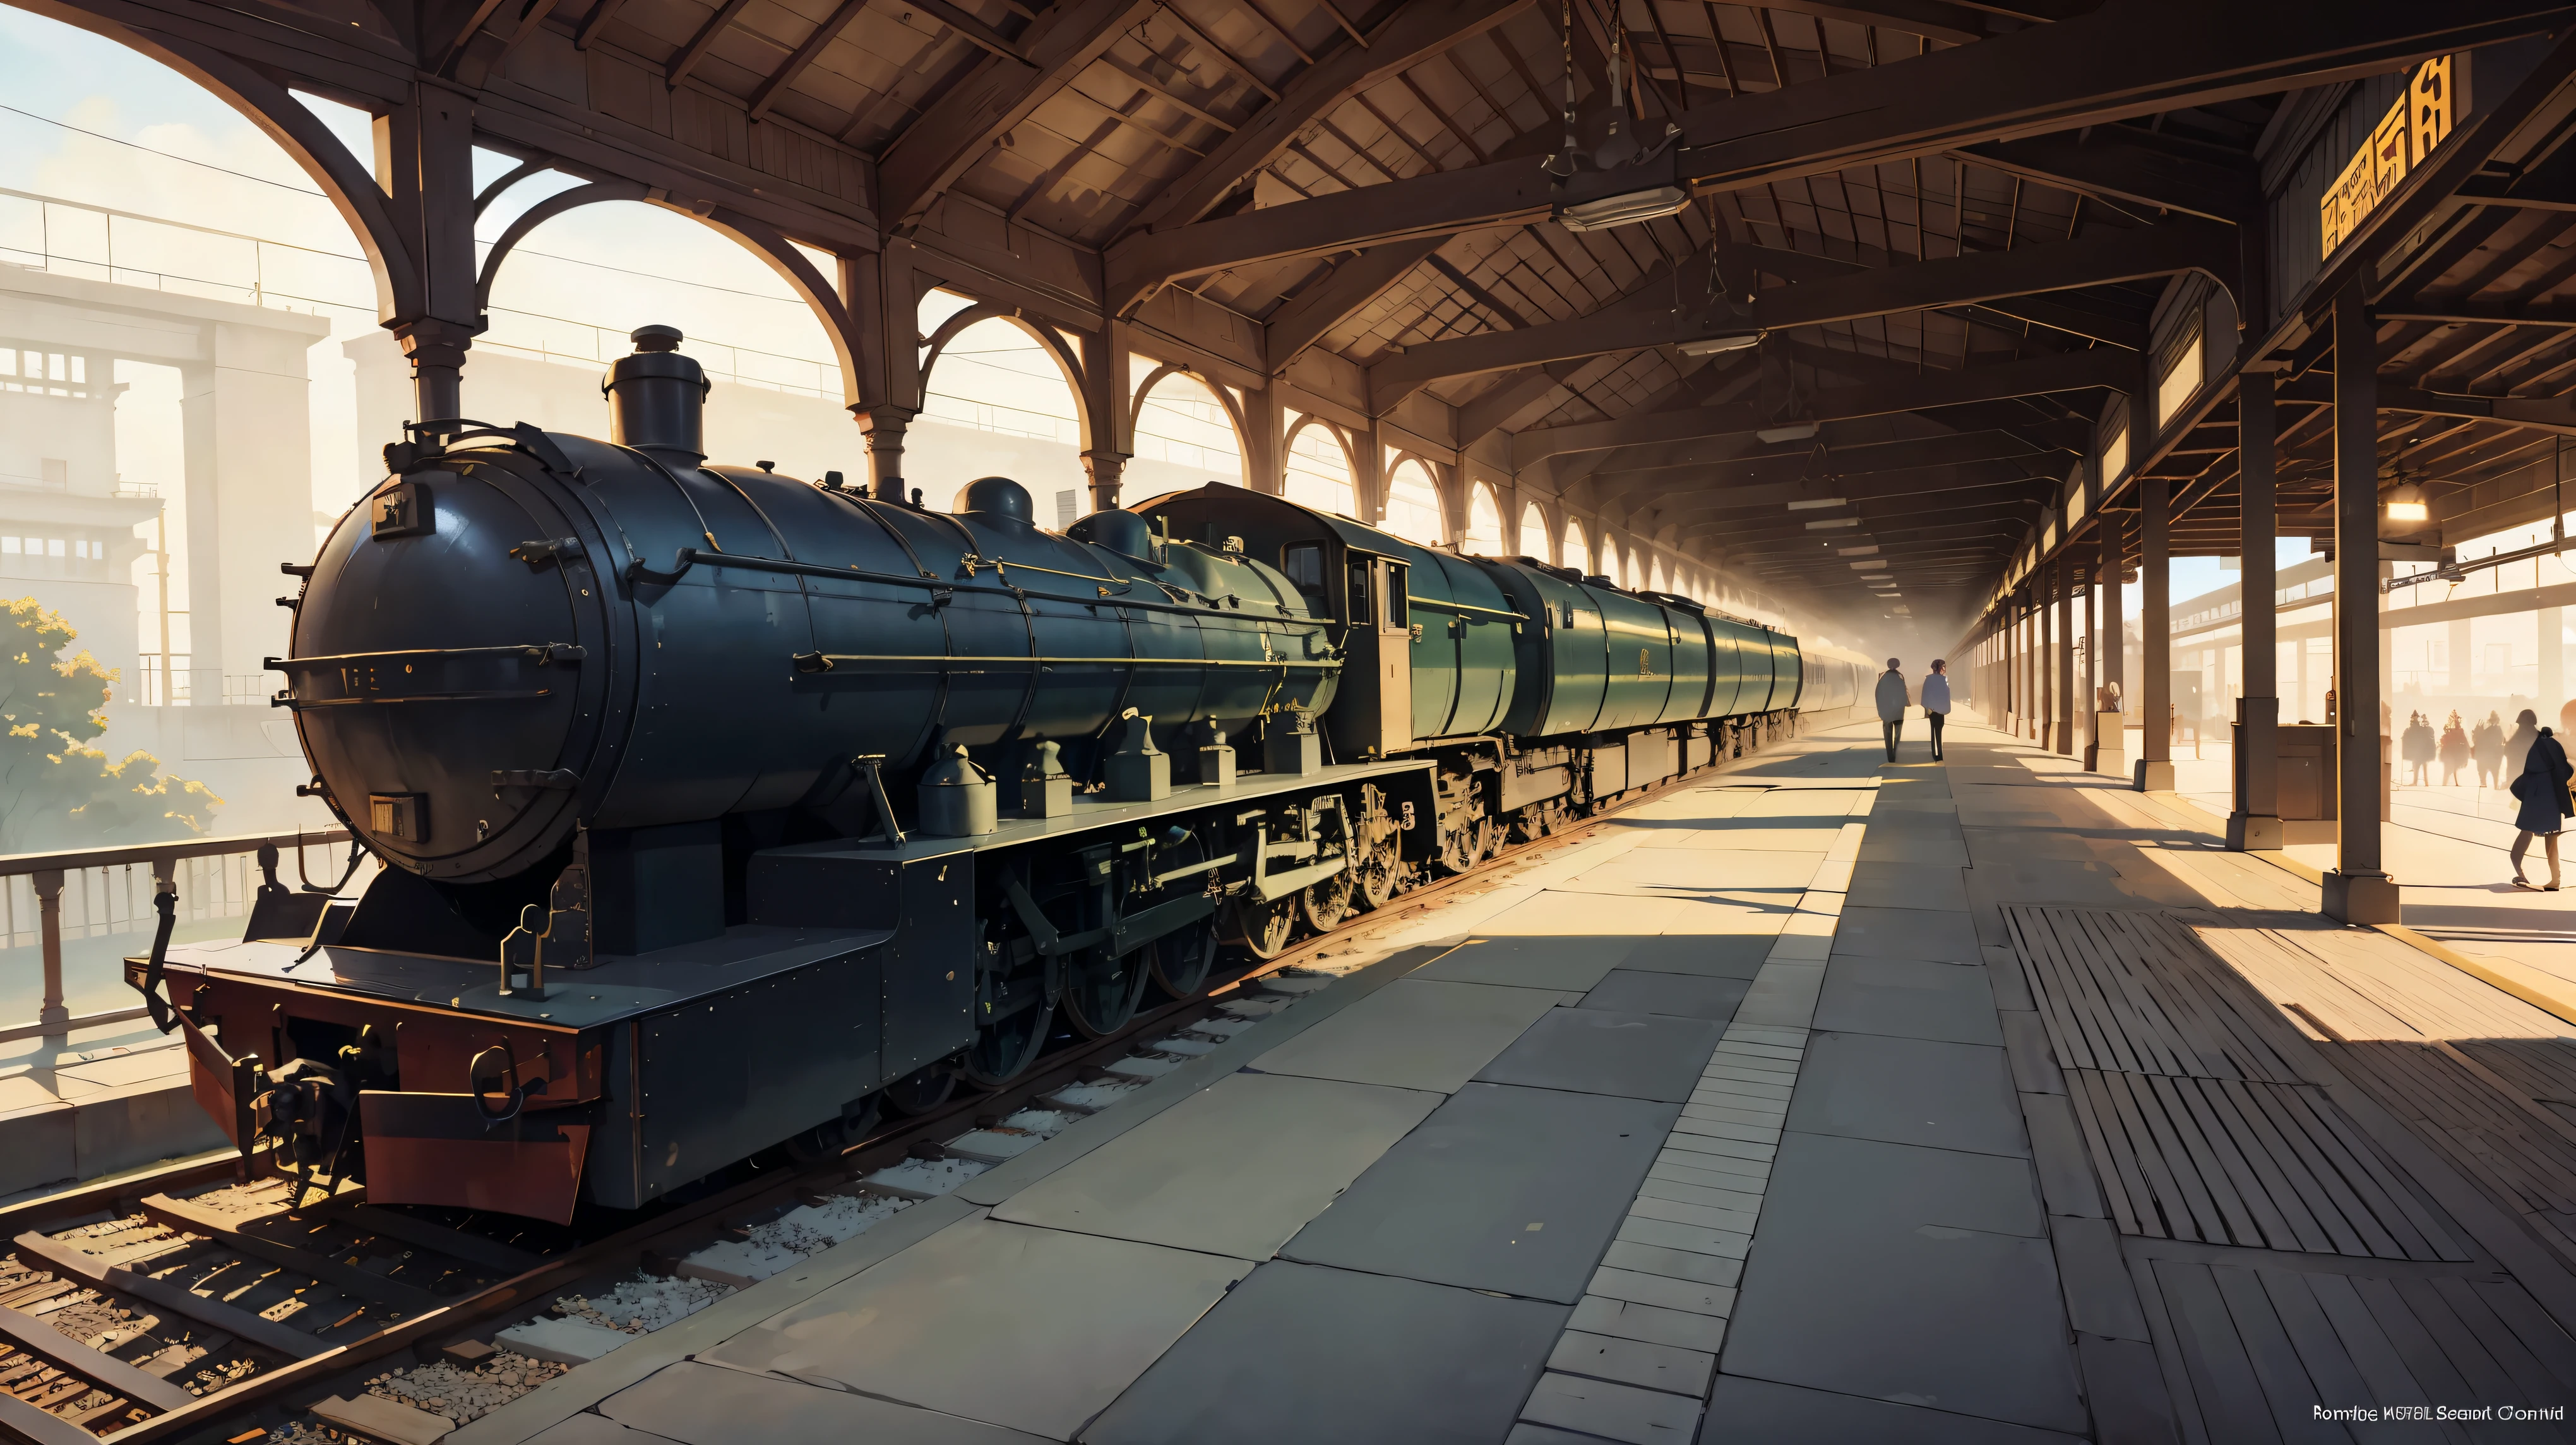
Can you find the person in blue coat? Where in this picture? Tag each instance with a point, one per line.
(2542, 789)
(1891, 704)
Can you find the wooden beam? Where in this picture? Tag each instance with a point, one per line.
(1302, 320)
(2129, 164)
(806, 54)
(2121, 60)
(1644, 318)
(1000, 92)
(2129, 58)
(1414, 33)
(1934, 19)
(2031, 377)
(696, 50)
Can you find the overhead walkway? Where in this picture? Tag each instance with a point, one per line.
(1825, 1101)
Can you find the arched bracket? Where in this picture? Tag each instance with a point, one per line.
(537, 215)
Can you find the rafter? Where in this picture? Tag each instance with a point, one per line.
(1645, 317)
(998, 93)
(1918, 392)
(1412, 34)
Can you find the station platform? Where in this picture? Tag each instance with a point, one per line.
(1823, 1100)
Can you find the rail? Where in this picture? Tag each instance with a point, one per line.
(104, 894)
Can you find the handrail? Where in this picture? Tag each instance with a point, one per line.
(46, 871)
(13, 864)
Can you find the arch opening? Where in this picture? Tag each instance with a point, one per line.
(1182, 423)
(1413, 504)
(1319, 468)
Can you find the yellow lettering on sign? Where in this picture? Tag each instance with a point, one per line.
(2430, 100)
(2388, 151)
(2411, 130)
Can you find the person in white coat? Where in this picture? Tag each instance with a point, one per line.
(1891, 704)
(1936, 701)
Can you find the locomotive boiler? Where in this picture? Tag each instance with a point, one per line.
(720, 809)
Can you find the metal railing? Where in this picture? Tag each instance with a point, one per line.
(98, 892)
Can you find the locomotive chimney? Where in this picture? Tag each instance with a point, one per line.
(657, 398)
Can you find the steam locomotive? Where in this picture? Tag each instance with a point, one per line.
(720, 810)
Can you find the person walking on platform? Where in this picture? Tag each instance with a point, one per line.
(2415, 745)
(2455, 750)
(1891, 705)
(2519, 744)
(2541, 787)
(1936, 701)
(2486, 744)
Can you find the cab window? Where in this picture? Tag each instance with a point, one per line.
(1303, 564)
(1362, 603)
(1398, 612)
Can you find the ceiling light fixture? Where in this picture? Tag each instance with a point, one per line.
(1833, 522)
(1798, 433)
(1652, 204)
(1724, 341)
(1809, 506)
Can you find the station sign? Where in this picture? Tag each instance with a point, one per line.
(2414, 127)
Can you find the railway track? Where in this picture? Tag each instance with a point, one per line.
(186, 1305)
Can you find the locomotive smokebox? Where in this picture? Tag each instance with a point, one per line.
(657, 398)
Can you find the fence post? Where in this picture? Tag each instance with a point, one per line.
(55, 1018)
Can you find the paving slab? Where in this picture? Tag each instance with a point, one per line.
(1762, 1412)
(1415, 1033)
(708, 1405)
(1941, 935)
(1604, 1051)
(1780, 835)
(1581, 915)
(1235, 1170)
(1908, 1091)
(1706, 955)
(1658, 872)
(1032, 1329)
(1507, 1189)
(1634, 990)
(1571, 965)
(1299, 1354)
(592, 1430)
(1886, 847)
(1909, 885)
(1908, 999)
(1902, 1273)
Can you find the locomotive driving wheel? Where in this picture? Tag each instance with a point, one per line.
(1327, 903)
(1181, 960)
(1014, 1004)
(1264, 928)
(1101, 992)
(1488, 837)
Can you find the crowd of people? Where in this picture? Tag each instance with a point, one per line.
(2497, 754)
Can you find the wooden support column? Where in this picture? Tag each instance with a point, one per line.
(882, 298)
(1265, 450)
(425, 161)
(2062, 713)
(1108, 395)
(2110, 717)
(2254, 821)
(2359, 889)
(2155, 634)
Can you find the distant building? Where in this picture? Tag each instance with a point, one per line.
(68, 521)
